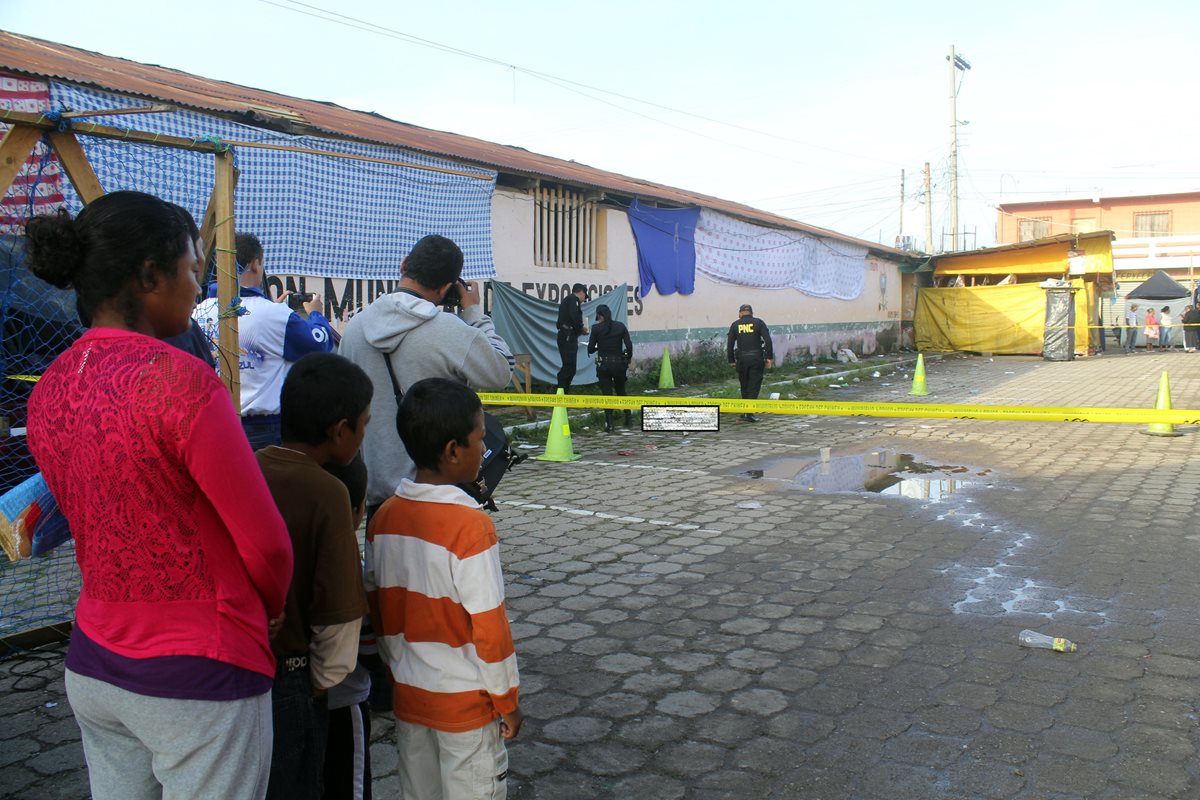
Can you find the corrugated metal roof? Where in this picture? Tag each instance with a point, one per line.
(46, 59)
(1061, 238)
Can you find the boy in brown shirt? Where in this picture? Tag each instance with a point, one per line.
(324, 410)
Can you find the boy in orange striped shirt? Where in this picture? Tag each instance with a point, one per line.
(436, 592)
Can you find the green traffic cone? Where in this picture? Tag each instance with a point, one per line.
(666, 380)
(558, 442)
(918, 386)
(1162, 403)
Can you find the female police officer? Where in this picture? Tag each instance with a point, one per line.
(611, 339)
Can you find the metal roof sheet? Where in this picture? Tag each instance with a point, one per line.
(1061, 238)
(38, 57)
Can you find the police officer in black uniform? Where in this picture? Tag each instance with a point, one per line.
(748, 348)
(610, 341)
(570, 328)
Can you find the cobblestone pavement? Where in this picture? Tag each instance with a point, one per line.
(685, 630)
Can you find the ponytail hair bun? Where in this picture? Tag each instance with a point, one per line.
(56, 251)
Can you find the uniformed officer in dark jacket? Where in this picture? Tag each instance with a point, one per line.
(748, 348)
(570, 328)
(610, 341)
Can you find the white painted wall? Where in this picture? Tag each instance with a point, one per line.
(675, 319)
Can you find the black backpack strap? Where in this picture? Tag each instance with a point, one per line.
(387, 360)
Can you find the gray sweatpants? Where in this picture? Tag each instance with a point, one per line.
(154, 747)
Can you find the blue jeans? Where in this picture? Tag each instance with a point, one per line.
(1164, 337)
(1131, 338)
(301, 727)
(261, 430)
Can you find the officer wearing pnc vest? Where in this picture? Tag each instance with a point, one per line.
(749, 348)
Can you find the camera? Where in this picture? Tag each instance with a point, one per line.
(453, 296)
(296, 300)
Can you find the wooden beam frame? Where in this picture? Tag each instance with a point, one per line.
(14, 152)
(76, 165)
(41, 121)
(227, 279)
(217, 230)
(120, 112)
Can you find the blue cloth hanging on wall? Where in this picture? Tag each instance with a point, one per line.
(665, 239)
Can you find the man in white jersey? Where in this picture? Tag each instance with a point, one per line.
(271, 336)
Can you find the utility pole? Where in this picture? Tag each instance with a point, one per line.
(900, 233)
(928, 212)
(956, 63)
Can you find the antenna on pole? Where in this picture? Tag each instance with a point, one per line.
(956, 63)
(928, 212)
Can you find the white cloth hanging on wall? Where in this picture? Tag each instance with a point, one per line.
(729, 250)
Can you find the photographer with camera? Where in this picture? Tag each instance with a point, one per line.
(271, 337)
(406, 336)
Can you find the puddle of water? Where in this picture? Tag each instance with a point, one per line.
(879, 471)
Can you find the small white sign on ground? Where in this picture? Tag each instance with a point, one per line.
(681, 418)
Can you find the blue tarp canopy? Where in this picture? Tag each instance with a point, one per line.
(318, 215)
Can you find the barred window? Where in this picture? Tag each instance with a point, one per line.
(1152, 223)
(564, 229)
(1036, 228)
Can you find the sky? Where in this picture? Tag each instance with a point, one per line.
(809, 111)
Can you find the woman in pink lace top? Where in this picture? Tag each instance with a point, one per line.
(183, 554)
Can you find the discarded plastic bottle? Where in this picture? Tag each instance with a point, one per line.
(1043, 642)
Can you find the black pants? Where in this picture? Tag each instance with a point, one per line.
(750, 374)
(342, 770)
(612, 373)
(568, 350)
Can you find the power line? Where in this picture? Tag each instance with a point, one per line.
(372, 27)
(822, 209)
(725, 142)
(836, 188)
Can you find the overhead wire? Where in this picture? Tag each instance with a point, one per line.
(372, 27)
(822, 190)
(567, 84)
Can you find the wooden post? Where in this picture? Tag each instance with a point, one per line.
(207, 225)
(227, 279)
(76, 165)
(14, 151)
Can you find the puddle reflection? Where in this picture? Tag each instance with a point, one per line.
(879, 471)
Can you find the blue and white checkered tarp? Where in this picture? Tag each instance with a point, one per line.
(316, 215)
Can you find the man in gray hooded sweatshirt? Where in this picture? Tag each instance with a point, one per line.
(410, 330)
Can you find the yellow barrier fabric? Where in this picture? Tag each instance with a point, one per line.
(990, 319)
(848, 409)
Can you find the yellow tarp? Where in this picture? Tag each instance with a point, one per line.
(991, 319)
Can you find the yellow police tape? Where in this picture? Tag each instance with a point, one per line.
(30, 378)
(1177, 416)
